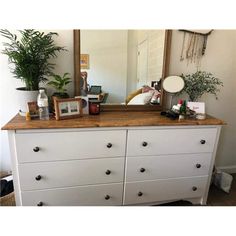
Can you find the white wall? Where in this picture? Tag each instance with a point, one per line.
(220, 61)
(107, 51)
(8, 100)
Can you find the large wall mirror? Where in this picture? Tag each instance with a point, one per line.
(122, 68)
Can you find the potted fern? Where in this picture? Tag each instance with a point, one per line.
(30, 54)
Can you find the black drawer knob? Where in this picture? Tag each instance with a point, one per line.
(40, 204)
(194, 188)
(142, 170)
(144, 144)
(38, 177)
(198, 166)
(109, 145)
(140, 194)
(36, 149)
(203, 141)
(107, 197)
(108, 172)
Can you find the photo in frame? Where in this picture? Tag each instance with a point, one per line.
(67, 108)
(33, 109)
(84, 61)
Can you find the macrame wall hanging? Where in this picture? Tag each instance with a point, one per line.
(193, 46)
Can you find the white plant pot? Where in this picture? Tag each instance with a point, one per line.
(23, 97)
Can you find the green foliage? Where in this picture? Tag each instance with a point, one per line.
(30, 55)
(201, 82)
(59, 82)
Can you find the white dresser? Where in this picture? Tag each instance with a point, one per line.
(136, 165)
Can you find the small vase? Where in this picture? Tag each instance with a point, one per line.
(94, 108)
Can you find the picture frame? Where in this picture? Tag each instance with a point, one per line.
(67, 108)
(33, 109)
(84, 61)
(198, 107)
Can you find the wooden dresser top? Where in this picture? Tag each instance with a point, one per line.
(107, 119)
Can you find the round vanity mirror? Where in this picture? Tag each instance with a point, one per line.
(173, 84)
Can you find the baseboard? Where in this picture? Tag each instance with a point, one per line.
(227, 169)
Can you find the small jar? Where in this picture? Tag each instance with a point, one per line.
(94, 108)
(200, 116)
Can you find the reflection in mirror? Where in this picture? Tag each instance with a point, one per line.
(127, 65)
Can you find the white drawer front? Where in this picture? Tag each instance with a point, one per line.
(70, 145)
(163, 190)
(94, 195)
(170, 141)
(167, 166)
(44, 175)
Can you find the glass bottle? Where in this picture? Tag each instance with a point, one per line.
(42, 102)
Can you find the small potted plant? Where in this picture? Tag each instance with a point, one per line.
(59, 83)
(30, 54)
(201, 82)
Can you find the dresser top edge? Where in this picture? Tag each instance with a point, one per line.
(109, 120)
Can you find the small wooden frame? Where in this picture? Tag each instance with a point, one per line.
(33, 109)
(67, 108)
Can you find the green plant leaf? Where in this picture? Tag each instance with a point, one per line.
(59, 82)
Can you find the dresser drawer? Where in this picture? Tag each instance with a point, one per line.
(93, 195)
(45, 175)
(34, 147)
(170, 141)
(167, 166)
(164, 190)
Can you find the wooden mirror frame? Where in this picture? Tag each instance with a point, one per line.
(114, 107)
